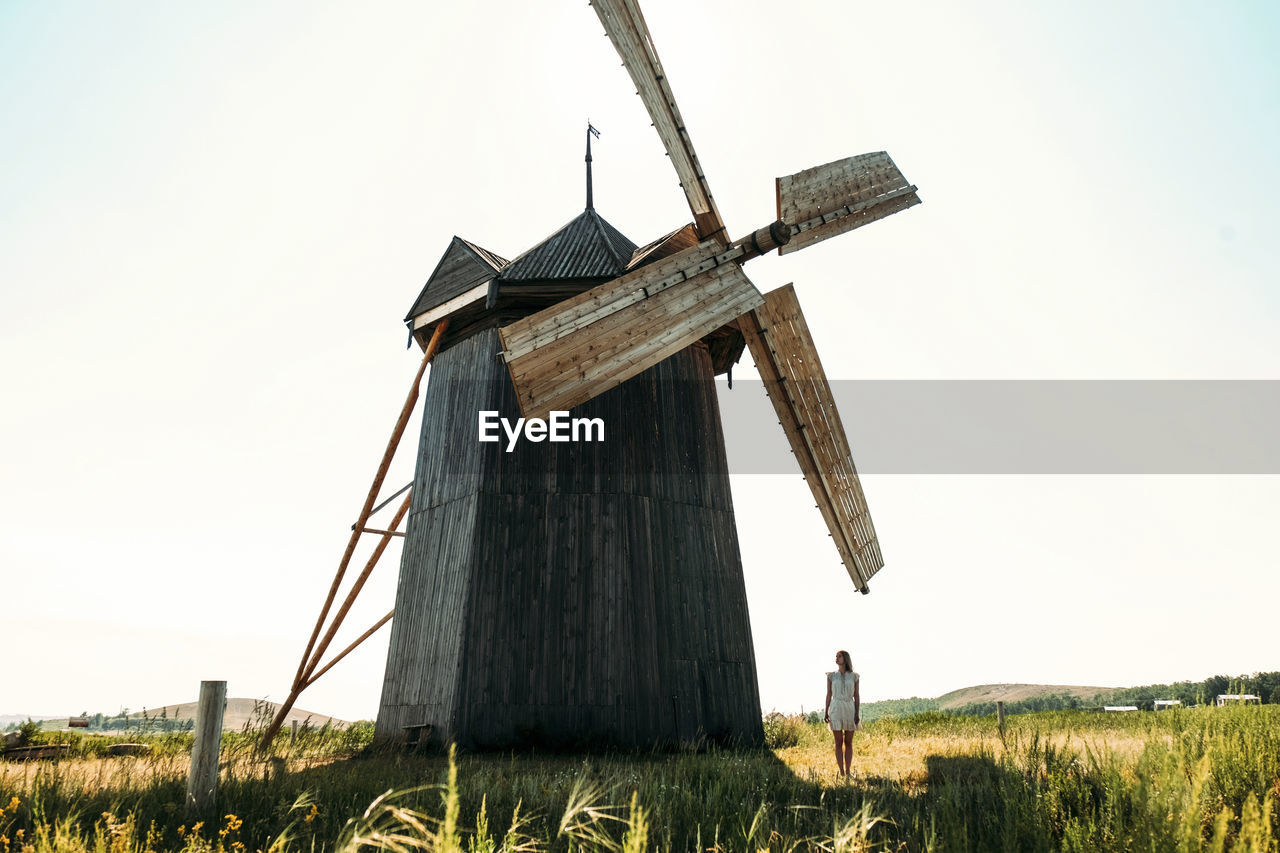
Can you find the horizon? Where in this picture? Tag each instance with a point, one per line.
(147, 709)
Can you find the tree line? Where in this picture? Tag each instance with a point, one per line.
(1264, 685)
(124, 721)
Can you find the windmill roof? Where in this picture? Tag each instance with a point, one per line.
(493, 260)
(588, 247)
(463, 266)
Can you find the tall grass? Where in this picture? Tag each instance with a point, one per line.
(1194, 779)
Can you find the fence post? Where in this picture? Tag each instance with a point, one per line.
(202, 781)
(293, 734)
(1000, 717)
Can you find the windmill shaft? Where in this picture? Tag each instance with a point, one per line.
(763, 240)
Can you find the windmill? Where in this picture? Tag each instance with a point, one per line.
(588, 593)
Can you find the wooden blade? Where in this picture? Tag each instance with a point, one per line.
(625, 25)
(788, 363)
(828, 200)
(564, 355)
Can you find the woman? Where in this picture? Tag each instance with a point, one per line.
(844, 707)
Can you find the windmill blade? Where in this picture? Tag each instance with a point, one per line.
(564, 355)
(626, 28)
(788, 363)
(837, 197)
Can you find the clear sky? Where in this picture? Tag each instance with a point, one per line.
(213, 218)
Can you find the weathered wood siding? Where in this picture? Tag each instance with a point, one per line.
(463, 266)
(572, 594)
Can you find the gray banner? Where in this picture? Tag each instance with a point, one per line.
(1027, 427)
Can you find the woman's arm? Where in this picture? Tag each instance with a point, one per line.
(857, 703)
(826, 714)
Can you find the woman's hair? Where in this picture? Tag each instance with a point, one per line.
(848, 664)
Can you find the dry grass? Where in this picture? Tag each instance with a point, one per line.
(1065, 781)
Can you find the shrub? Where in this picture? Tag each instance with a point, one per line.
(786, 730)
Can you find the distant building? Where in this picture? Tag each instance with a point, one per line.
(1119, 707)
(1167, 703)
(1238, 699)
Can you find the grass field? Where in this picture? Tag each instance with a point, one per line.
(1193, 779)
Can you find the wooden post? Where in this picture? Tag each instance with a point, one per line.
(1000, 717)
(202, 781)
(293, 734)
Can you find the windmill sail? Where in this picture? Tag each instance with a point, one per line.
(837, 197)
(566, 354)
(625, 25)
(784, 354)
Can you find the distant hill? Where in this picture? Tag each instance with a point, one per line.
(255, 712)
(981, 699)
(1015, 693)
(6, 719)
(239, 712)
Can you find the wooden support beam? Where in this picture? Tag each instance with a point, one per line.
(397, 493)
(341, 615)
(349, 649)
(393, 443)
(308, 662)
(382, 532)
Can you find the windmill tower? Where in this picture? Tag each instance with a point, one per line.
(571, 594)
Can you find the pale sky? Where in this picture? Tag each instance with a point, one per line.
(214, 217)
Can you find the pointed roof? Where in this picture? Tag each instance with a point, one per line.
(493, 260)
(588, 247)
(463, 266)
(665, 246)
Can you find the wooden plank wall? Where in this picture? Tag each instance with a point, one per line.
(788, 363)
(435, 564)
(573, 594)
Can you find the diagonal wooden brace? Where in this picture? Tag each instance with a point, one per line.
(306, 667)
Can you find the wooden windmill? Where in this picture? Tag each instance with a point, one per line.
(569, 594)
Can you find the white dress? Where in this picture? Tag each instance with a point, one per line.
(842, 706)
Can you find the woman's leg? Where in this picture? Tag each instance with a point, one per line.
(848, 752)
(839, 736)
